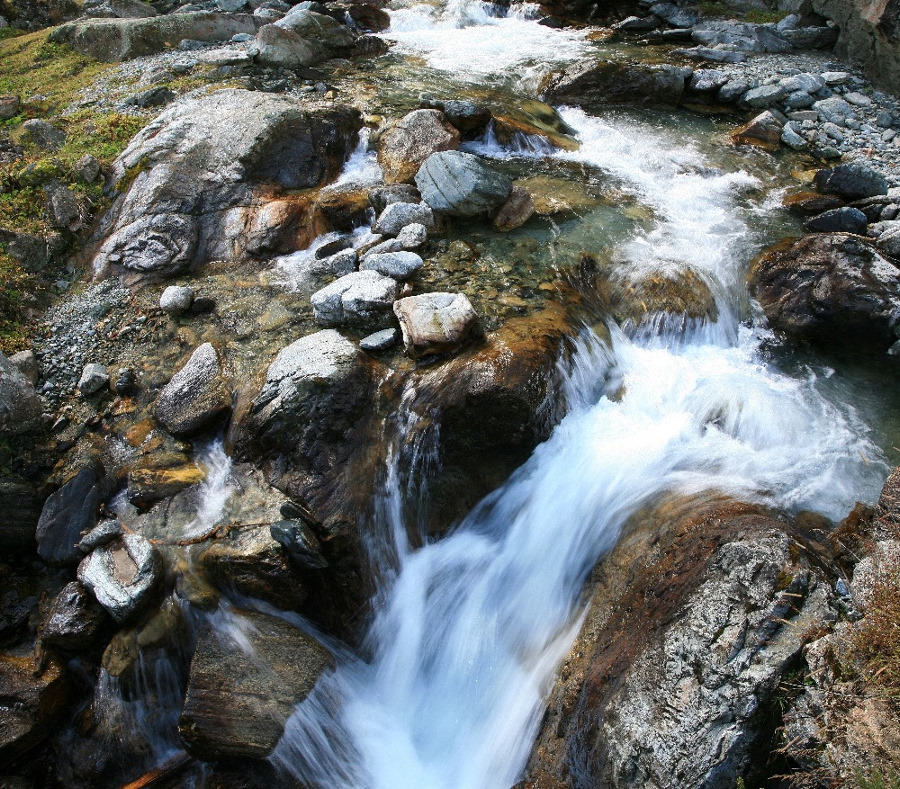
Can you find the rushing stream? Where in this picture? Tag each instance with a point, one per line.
(463, 650)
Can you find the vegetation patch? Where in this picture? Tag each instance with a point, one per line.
(876, 643)
(19, 293)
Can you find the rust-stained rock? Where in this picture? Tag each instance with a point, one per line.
(763, 131)
(409, 142)
(680, 292)
(516, 211)
(810, 203)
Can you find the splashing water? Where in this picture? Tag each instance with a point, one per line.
(469, 634)
(215, 490)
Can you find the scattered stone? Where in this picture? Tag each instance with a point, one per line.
(122, 575)
(407, 144)
(74, 621)
(363, 298)
(9, 107)
(398, 265)
(341, 263)
(241, 692)
(67, 513)
(792, 139)
(852, 181)
(889, 242)
(20, 406)
(43, 135)
(101, 534)
(764, 96)
(799, 100)
(126, 382)
(857, 99)
(435, 323)
(298, 540)
(176, 299)
(380, 340)
(763, 131)
(838, 220)
(836, 77)
(461, 184)
(706, 80)
(196, 396)
(885, 119)
(157, 96)
(94, 378)
(412, 236)
(833, 109)
(63, 210)
(397, 216)
(381, 197)
(516, 211)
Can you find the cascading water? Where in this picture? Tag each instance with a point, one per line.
(470, 632)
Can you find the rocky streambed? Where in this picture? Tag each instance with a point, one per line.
(360, 265)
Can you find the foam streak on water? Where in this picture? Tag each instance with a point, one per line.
(469, 635)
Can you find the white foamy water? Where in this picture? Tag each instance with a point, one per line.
(215, 490)
(473, 43)
(468, 636)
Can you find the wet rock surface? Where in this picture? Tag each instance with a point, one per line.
(67, 513)
(405, 146)
(241, 691)
(196, 396)
(461, 184)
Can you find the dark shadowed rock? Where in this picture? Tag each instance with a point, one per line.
(406, 145)
(43, 135)
(852, 181)
(196, 396)
(21, 510)
(74, 621)
(300, 544)
(830, 288)
(810, 203)
(593, 84)
(461, 184)
(434, 323)
(67, 513)
(468, 117)
(240, 694)
(195, 177)
(20, 407)
(673, 680)
(122, 575)
(253, 563)
(838, 220)
(111, 40)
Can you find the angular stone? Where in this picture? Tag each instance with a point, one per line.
(852, 181)
(74, 621)
(398, 265)
(793, 140)
(323, 30)
(673, 15)
(240, 695)
(43, 135)
(103, 533)
(434, 323)
(833, 109)
(67, 513)
(705, 80)
(838, 220)
(396, 216)
(122, 575)
(94, 378)
(285, 48)
(764, 96)
(763, 131)
(380, 340)
(362, 297)
(406, 145)
(196, 396)
(412, 236)
(299, 541)
(9, 107)
(516, 211)
(461, 184)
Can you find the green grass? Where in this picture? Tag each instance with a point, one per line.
(877, 780)
(17, 290)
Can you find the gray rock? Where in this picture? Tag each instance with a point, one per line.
(857, 99)
(889, 242)
(733, 90)
(122, 575)
(20, 407)
(798, 100)
(397, 216)
(176, 299)
(838, 220)
(593, 84)
(9, 107)
(836, 77)
(673, 15)
(101, 534)
(26, 363)
(67, 513)
(812, 37)
(711, 55)
(741, 36)
(808, 83)
(407, 144)
(434, 323)
(706, 80)
(325, 31)
(298, 540)
(343, 262)
(43, 135)
(118, 9)
(461, 184)
(63, 210)
(362, 298)
(637, 23)
(286, 49)
(94, 378)
(852, 180)
(381, 197)
(764, 96)
(885, 119)
(412, 236)
(156, 96)
(112, 40)
(88, 168)
(834, 109)
(466, 116)
(74, 621)
(399, 265)
(380, 340)
(833, 131)
(792, 139)
(196, 396)
(202, 165)
(237, 703)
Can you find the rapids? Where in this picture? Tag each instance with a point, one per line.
(472, 627)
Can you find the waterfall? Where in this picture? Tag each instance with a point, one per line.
(472, 627)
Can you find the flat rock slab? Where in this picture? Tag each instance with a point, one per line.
(241, 692)
(397, 265)
(113, 40)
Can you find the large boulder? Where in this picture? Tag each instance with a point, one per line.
(112, 40)
(829, 287)
(673, 681)
(197, 181)
(406, 145)
(74, 621)
(594, 84)
(286, 49)
(196, 397)
(122, 574)
(34, 701)
(460, 184)
(435, 323)
(68, 512)
(851, 181)
(241, 692)
(741, 36)
(335, 38)
(20, 407)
